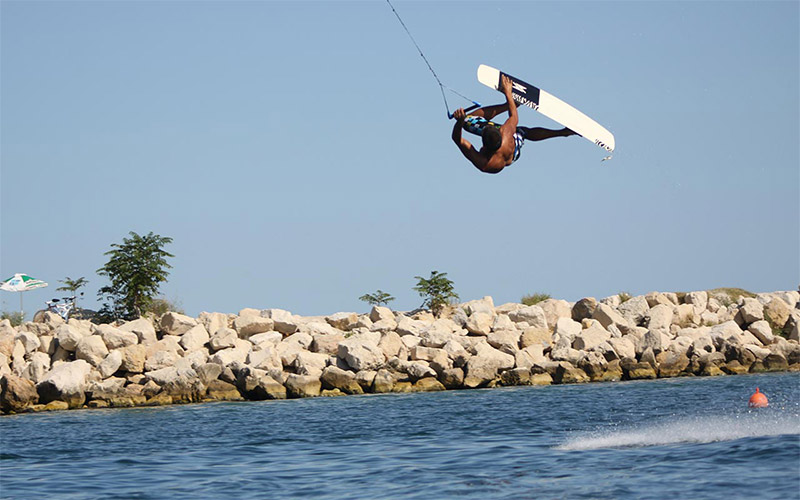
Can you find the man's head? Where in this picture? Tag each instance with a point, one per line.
(492, 139)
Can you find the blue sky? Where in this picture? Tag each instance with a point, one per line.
(299, 155)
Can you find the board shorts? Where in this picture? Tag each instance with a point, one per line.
(476, 125)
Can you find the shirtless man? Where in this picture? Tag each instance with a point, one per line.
(501, 143)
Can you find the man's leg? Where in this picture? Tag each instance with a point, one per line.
(490, 112)
(540, 134)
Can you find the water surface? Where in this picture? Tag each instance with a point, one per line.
(680, 438)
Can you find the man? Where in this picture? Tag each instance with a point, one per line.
(501, 143)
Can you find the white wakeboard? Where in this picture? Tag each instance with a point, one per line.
(550, 106)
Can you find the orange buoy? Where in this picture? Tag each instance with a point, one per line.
(758, 400)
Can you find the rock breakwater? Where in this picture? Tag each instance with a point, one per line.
(273, 354)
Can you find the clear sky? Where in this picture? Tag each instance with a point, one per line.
(299, 154)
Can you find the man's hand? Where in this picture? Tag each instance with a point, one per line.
(460, 115)
(505, 85)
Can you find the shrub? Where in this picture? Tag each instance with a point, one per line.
(16, 318)
(437, 291)
(378, 298)
(728, 296)
(624, 297)
(535, 298)
(161, 306)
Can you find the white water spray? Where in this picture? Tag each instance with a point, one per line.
(688, 430)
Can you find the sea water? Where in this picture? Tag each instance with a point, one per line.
(663, 439)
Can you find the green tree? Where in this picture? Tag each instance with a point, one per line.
(136, 269)
(72, 286)
(437, 291)
(376, 299)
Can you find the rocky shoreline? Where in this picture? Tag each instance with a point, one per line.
(273, 354)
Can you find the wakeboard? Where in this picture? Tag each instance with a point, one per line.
(550, 106)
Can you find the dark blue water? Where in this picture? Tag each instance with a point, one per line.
(676, 438)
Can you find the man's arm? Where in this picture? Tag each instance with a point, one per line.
(513, 117)
(464, 145)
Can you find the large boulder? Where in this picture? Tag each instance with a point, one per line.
(762, 331)
(593, 365)
(69, 335)
(554, 309)
(208, 372)
(699, 300)
(65, 382)
(195, 338)
(91, 349)
(162, 358)
(143, 329)
(506, 341)
(750, 311)
(336, 378)
(484, 366)
(607, 316)
(532, 315)
(361, 354)
(566, 373)
(173, 323)
(438, 333)
(223, 338)
(133, 358)
(310, 363)
(266, 358)
(536, 336)
(111, 363)
(213, 321)
(409, 326)
(225, 357)
(249, 325)
(303, 386)
(484, 305)
(634, 370)
(529, 356)
(652, 340)
(283, 321)
(567, 328)
(222, 391)
(380, 313)
(391, 344)
(673, 365)
(635, 310)
(480, 323)
(591, 337)
(417, 370)
(343, 320)
(777, 313)
(116, 337)
(16, 393)
(29, 341)
(584, 308)
(257, 386)
(37, 368)
(327, 344)
(660, 318)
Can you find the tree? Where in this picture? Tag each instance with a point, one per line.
(136, 269)
(376, 299)
(437, 291)
(72, 286)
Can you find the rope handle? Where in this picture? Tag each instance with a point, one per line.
(475, 105)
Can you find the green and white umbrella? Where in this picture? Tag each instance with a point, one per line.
(21, 282)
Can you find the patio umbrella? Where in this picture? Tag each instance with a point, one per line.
(21, 282)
